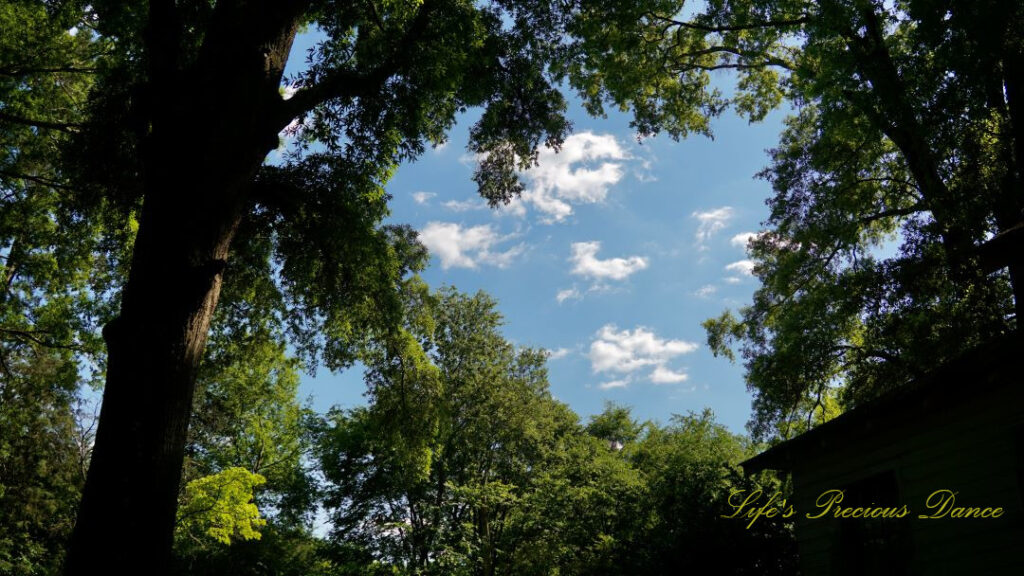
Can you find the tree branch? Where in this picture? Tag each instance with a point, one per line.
(349, 83)
(766, 60)
(782, 23)
(32, 336)
(20, 72)
(44, 124)
(37, 179)
(896, 212)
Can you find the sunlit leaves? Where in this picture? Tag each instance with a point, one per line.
(220, 507)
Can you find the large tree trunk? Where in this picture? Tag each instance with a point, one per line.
(211, 129)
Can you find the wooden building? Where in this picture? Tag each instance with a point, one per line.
(960, 429)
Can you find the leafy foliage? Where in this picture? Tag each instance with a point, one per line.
(220, 507)
(43, 458)
(54, 270)
(464, 464)
(900, 163)
(690, 469)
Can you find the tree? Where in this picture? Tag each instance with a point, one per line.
(184, 103)
(219, 506)
(55, 268)
(908, 132)
(43, 459)
(247, 414)
(431, 477)
(690, 468)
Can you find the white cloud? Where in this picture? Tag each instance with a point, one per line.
(586, 263)
(471, 159)
(663, 375)
(288, 91)
(710, 222)
(732, 280)
(742, 239)
(287, 136)
(558, 353)
(580, 173)
(460, 247)
(422, 197)
(614, 384)
(568, 294)
(465, 205)
(745, 267)
(705, 291)
(643, 174)
(516, 207)
(628, 351)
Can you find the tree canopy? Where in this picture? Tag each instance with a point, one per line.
(898, 194)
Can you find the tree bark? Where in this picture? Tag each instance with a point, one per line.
(210, 134)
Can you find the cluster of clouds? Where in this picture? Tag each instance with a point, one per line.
(711, 222)
(583, 172)
(624, 354)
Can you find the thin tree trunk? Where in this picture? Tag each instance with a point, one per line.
(1013, 66)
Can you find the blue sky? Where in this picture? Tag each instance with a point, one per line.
(615, 255)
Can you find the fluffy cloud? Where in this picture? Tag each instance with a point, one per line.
(622, 383)
(422, 197)
(287, 136)
(711, 222)
(745, 267)
(662, 375)
(568, 294)
(628, 351)
(465, 205)
(705, 291)
(459, 247)
(580, 173)
(558, 353)
(742, 239)
(586, 263)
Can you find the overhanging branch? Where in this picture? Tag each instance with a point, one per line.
(349, 83)
(20, 72)
(35, 123)
(780, 23)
